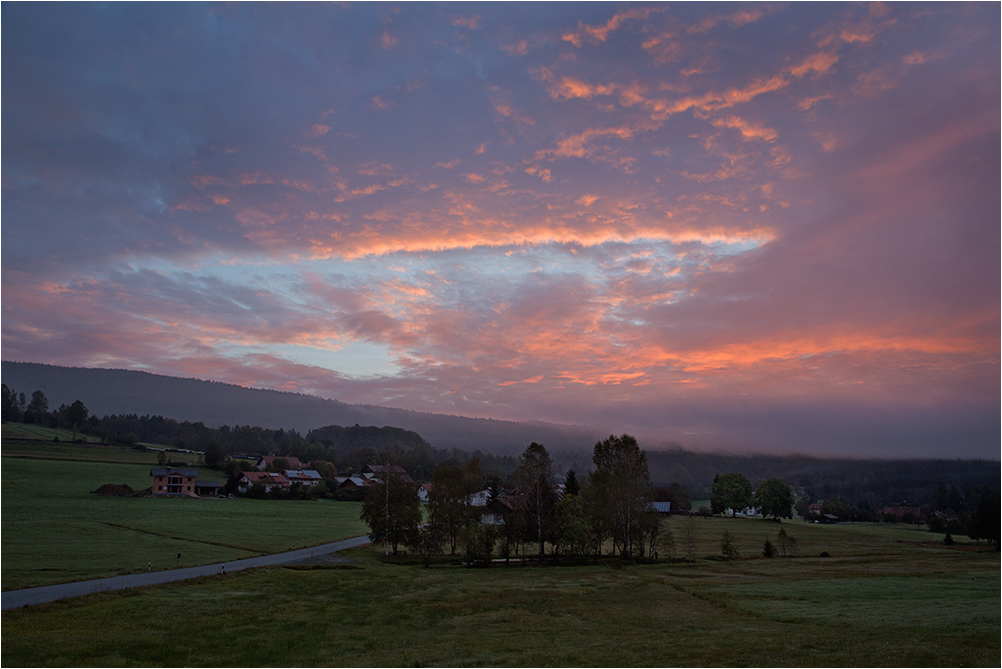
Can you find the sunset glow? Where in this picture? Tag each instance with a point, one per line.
(770, 227)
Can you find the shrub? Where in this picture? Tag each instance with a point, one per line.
(727, 547)
(768, 550)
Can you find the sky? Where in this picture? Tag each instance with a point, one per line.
(767, 227)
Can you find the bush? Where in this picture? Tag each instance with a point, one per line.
(768, 550)
(727, 547)
(948, 539)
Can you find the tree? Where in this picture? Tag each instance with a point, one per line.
(690, 533)
(392, 511)
(11, 409)
(38, 409)
(774, 498)
(534, 477)
(449, 500)
(786, 543)
(727, 547)
(572, 529)
(215, 454)
(571, 484)
(730, 491)
(325, 468)
(428, 540)
(622, 483)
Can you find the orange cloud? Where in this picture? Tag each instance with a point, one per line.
(473, 22)
(748, 130)
(821, 63)
(317, 130)
(597, 34)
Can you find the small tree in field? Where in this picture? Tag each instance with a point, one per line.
(727, 547)
(690, 532)
(787, 544)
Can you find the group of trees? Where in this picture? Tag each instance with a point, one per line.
(612, 504)
(16, 408)
(734, 492)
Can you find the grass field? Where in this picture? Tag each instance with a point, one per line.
(884, 596)
(886, 600)
(55, 531)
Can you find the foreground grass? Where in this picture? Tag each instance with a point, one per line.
(55, 531)
(913, 605)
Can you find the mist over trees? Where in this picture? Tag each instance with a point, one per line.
(848, 489)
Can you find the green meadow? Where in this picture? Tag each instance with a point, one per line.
(881, 596)
(893, 602)
(55, 530)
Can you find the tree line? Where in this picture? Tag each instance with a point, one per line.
(529, 511)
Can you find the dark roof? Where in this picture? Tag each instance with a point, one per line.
(167, 471)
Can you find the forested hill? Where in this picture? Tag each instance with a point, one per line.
(116, 391)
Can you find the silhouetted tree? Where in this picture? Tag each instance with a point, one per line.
(534, 477)
(38, 409)
(774, 498)
(449, 501)
(730, 491)
(571, 485)
(623, 488)
(392, 511)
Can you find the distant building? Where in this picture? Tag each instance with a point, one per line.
(663, 508)
(900, 511)
(173, 481)
(265, 462)
(304, 477)
(424, 493)
(270, 480)
(379, 472)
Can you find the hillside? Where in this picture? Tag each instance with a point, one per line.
(118, 391)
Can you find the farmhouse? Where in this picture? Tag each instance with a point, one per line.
(379, 471)
(271, 481)
(662, 508)
(899, 511)
(424, 493)
(305, 477)
(267, 461)
(173, 481)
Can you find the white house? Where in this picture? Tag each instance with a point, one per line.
(480, 498)
(305, 477)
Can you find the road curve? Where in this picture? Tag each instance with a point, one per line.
(14, 599)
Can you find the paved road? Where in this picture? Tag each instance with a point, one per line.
(14, 599)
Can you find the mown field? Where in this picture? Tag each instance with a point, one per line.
(55, 530)
(883, 598)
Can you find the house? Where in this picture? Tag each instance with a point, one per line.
(424, 493)
(378, 471)
(267, 461)
(663, 508)
(899, 511)
(173, 481)
(480, 498)
(304, 477)
(497, 510)
(208, 488)
(354, 483)
(270, 480)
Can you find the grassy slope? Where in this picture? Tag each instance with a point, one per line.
(54, 530)
(880, 601)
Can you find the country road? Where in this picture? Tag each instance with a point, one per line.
(14, 599)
